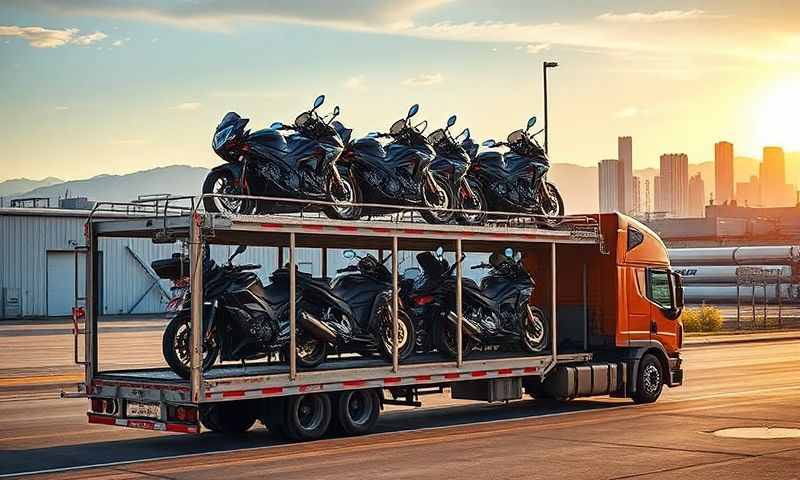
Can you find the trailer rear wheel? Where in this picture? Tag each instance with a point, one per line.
(229, 417)
(649, 380)
(307, 417)
(357, 411)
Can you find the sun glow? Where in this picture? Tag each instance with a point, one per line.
(778, 115)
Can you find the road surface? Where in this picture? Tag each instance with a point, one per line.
(737, 385)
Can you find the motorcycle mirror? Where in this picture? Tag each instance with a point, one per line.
(336, 111)
(318, 102)
(489, 143)
(451, 121)
(276, 126)
(349, 254)
(439, 252)
(413, 110)
(518, 256)
(465, 134)
(531, 122)
(509, 252)
(239, 250)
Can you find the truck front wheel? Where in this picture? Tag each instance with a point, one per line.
(649, 380)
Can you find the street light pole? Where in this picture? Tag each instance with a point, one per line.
(545, 66)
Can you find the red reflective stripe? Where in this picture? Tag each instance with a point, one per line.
(233, 393)
(413, 231)
(422, 378)
(505, 371)
(354, 383)
(391, 380)
(182, 428)
(272, 225)
(478, 374)
(347, 229)
(313, 227)
(530, 370)
(101, 419)
(452, 375)
(381, 230)
(271, 390)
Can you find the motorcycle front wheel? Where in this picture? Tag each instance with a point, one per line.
(223, 182)
(551, 205)
(406, 337)
(348, 191)
(439, 202)
(176, 346)
(534, 330)
(475, 201)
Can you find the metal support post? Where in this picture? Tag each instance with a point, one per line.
(292, 309)
(395, 306)
(738, 305)
(459, 307)
(585, 310)
(196, 287)
(553, 300)
(92, 304)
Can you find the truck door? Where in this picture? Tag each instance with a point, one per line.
(664, 311)
(639, 306)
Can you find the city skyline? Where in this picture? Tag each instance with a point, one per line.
(115, 87)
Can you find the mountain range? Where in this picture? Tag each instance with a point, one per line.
(578, 184)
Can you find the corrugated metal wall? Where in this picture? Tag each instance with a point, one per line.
(25, 241)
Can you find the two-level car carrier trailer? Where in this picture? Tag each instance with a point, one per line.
(604, 282)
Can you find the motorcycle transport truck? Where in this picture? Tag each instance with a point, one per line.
(603, 283)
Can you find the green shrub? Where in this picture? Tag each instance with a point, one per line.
(703, 319)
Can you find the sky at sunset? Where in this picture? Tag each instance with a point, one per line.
(91, 87)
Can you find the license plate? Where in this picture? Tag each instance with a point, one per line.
(146, 410)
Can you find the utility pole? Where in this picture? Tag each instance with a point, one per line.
(545, 66)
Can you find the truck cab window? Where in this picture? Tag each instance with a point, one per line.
(658, 288)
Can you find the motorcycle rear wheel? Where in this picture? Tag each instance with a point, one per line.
(447, 341)
(176, 346)
(351, 194)
(443, 198)
(310, 352)
(406, 338)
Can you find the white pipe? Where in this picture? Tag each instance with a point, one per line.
(726, 274)
(766, 255)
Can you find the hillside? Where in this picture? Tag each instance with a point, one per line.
(17, 186)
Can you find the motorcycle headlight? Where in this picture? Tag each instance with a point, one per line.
(221, 137)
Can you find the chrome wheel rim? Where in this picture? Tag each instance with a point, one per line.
(309, 412)
(651, 379)
(222, 186)
(534, 331)
(402, 331)
(346, 193)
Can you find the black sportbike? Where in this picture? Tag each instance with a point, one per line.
(354, 312)
(516, 182)
(300, 165)
(242, 319)
(452, 163)
(498, 312)
(398, 173)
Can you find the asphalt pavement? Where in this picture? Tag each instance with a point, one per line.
(753, 384)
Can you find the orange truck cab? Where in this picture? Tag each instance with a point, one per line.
(622, 303)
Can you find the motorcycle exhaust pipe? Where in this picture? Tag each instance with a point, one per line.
(471, 328)
(317, 328)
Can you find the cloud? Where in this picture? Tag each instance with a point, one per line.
(85, 40)
(214, 15)
(121, 42)
(424, 80)
(627, 112)
(39, 37)
(535, 48)
(655, 17)
(187, 107)
(354, 82)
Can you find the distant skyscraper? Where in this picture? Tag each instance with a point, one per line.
(658, 195)
(608, 179)
(674, 180)
(723, 173)
(625, 156)
(697, 194)
(774, 190)
(636, 209)
(647, 203)
(748, 194)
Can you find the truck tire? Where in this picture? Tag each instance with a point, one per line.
(307, 417)
(357, 411)
(649, 380)
(228, 417)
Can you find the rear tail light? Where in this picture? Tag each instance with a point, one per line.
(182, 414)
(423, 299)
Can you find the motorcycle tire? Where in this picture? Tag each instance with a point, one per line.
(477, 203)
(535, 330)
(448, 202)
(179, 331)
(311, 359)
(405, 334)
(352, 194)
(446, 341)
(545, 207)
(221, 204)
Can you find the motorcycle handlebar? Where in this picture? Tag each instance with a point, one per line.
(480, 265)
(247, 266)
(349, 268)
